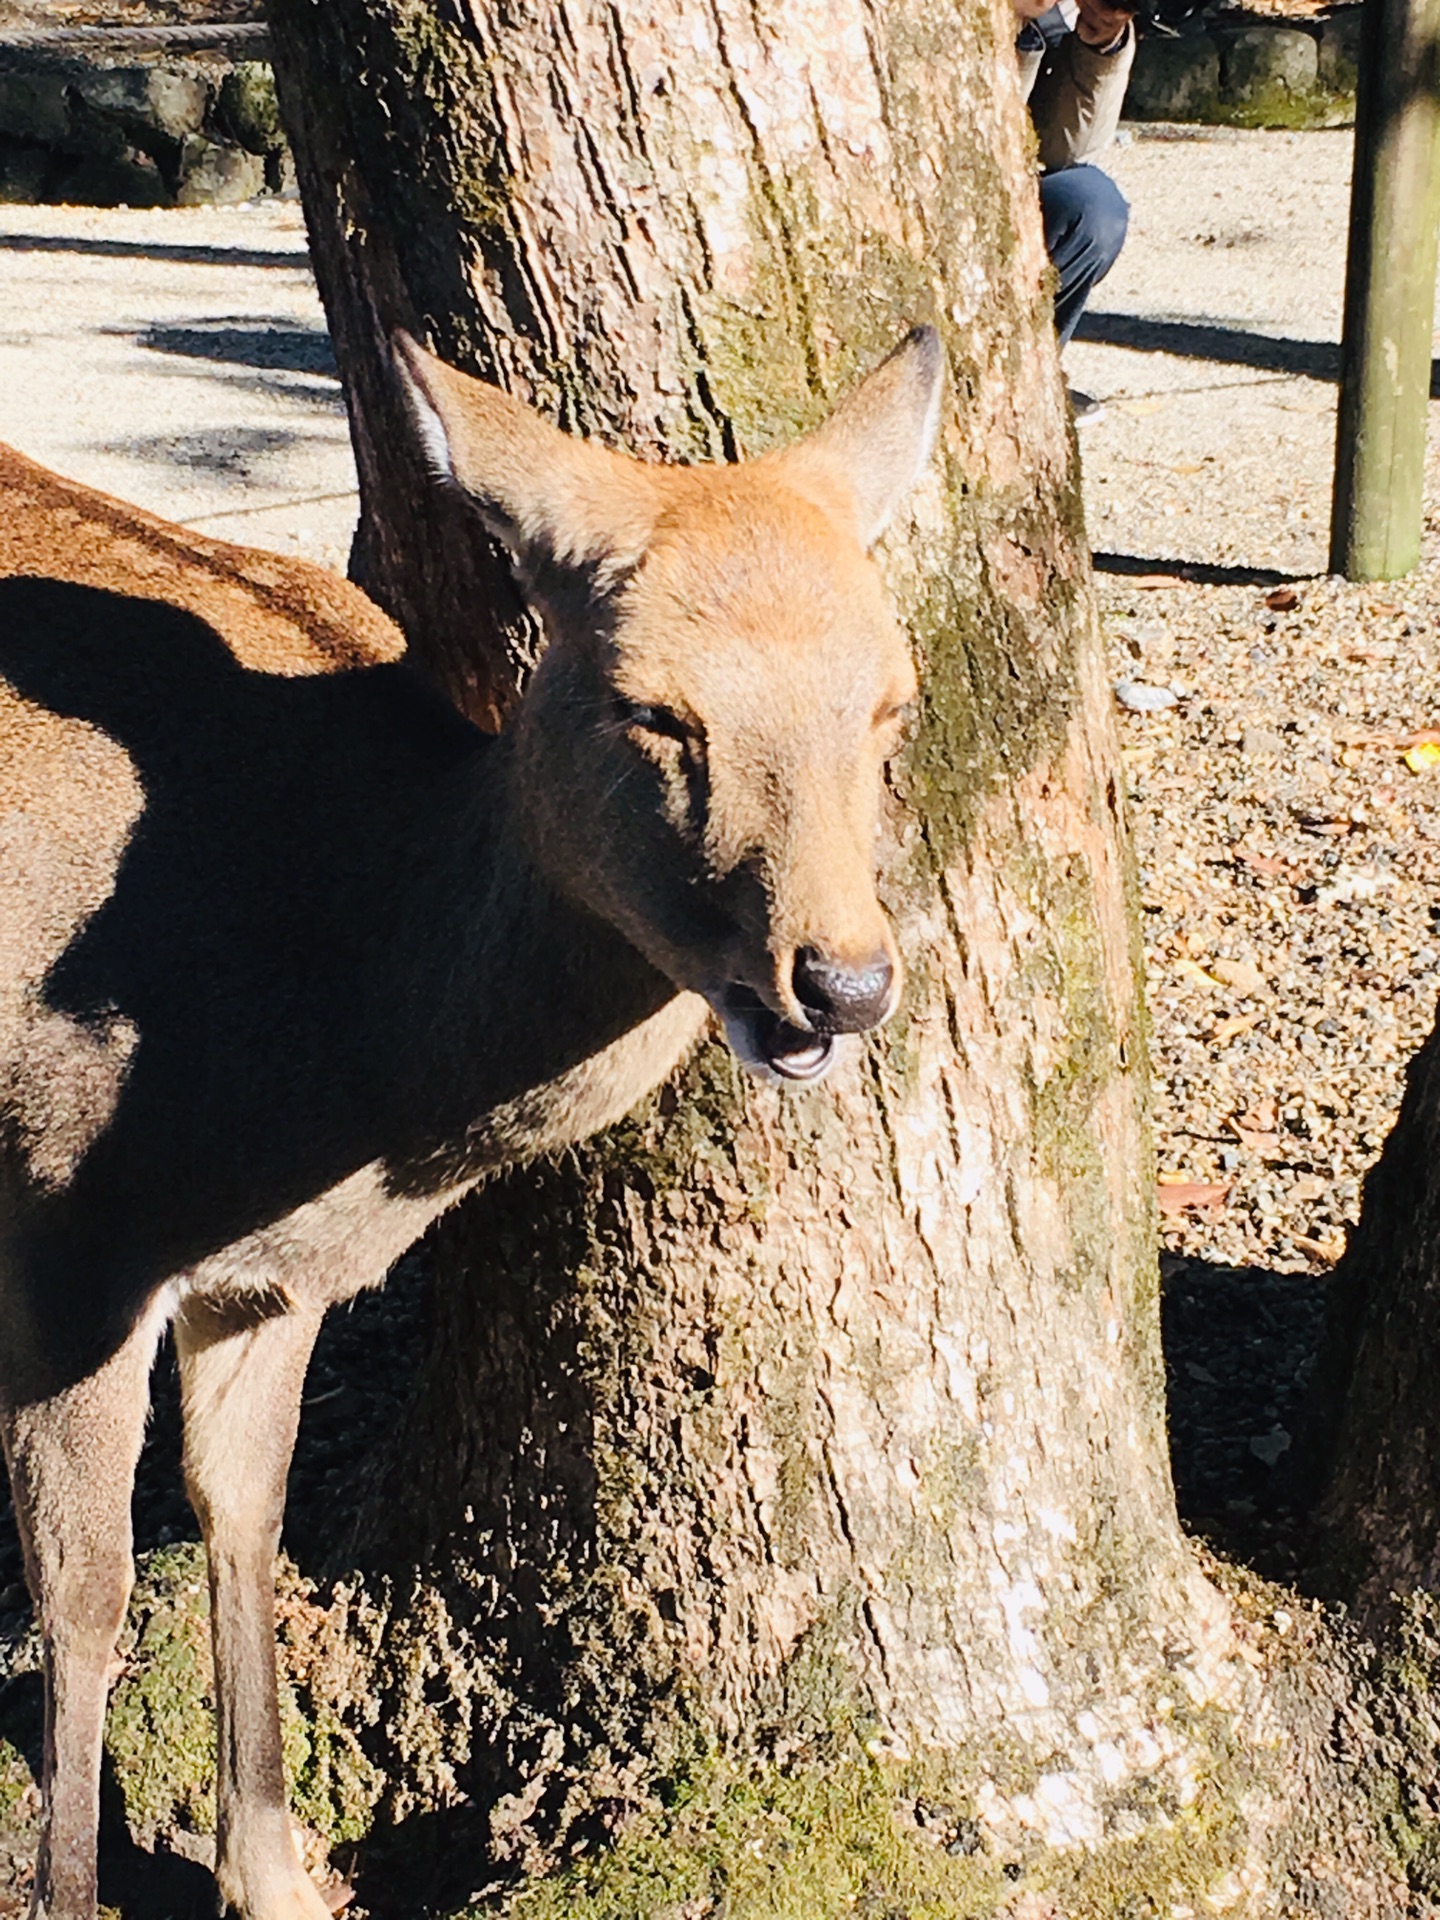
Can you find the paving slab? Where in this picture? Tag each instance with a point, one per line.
(179, 358)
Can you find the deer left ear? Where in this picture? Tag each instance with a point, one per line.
(879, 439)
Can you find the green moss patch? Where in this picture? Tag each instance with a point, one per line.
(861, 1835)
(160, 1731)
(766, 1844)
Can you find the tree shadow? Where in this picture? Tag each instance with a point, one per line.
(270, 341)
(1231, 346)
(1240, 1346)
(153, 250)
(1190, 572)
(237, 456)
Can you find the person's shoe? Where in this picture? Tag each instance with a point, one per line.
(1086, 408)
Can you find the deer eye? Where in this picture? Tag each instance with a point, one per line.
(657, 720)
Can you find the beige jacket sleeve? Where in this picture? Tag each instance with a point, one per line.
(1075, 95)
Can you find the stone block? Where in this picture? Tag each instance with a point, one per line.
(33, 107)
(125, 179)
(246, 109)
(148, 99)
(1174, 79)
(1261, 65)
(215, 175)
(24, 173)
(1340, 50)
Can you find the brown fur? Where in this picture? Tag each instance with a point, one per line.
(290, 955)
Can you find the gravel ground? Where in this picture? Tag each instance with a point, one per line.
(1284, 811)
(1286, 821)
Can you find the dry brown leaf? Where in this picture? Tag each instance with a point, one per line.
(1241, 976)
(1148, 582)
(1282, 600)
(1327, 1250)
(1255, 1142)
(1383, 609)
(1262, 863)
(1232, 1024)
(1145, 405)
(1193, 970)
(1187, 1196)
(1264, 1116)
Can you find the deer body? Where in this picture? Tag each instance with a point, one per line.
(291, 956)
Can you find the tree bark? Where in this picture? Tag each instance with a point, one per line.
(1376, 1440)
(770, 1421)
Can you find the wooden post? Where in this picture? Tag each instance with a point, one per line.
(1389, 294)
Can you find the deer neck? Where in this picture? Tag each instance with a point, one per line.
(536, 1020)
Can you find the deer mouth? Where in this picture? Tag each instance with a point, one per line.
(768, 1044)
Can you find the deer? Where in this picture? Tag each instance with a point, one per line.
(292, 955)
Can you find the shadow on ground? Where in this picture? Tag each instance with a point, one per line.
(1240, 1346)
(1191, 572)
(248, 340)
(1232, 346)
(297, 261)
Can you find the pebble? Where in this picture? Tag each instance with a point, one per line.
(1137, 697)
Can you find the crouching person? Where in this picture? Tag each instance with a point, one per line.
(1075, 62)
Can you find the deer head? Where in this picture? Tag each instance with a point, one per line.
(699, 753)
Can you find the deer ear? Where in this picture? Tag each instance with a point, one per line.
(556, 502)
(878, 440)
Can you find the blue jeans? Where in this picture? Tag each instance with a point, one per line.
(1085, 217)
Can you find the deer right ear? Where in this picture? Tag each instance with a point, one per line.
(554, 500)
(879, 439)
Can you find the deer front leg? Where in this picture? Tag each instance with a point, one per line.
(240, 1388)
(72, 1466)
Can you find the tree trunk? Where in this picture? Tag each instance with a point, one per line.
(821, 1428)
(1374, 1406)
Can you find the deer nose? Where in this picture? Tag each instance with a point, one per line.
(840, 998)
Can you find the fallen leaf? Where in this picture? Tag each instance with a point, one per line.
(1148, 582)
(1420, 759)
(1259, 862)
(1282, 600)
(1313, 824)
(1193, 970)
(1232, 1024)
(1269, 1446)
(1423, 737)
(1255, 1142)
(1142, 408)
(1243, 976)
(1187, 1196)
(1327, 1250)
(1265, 1114)
(1383, 609)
